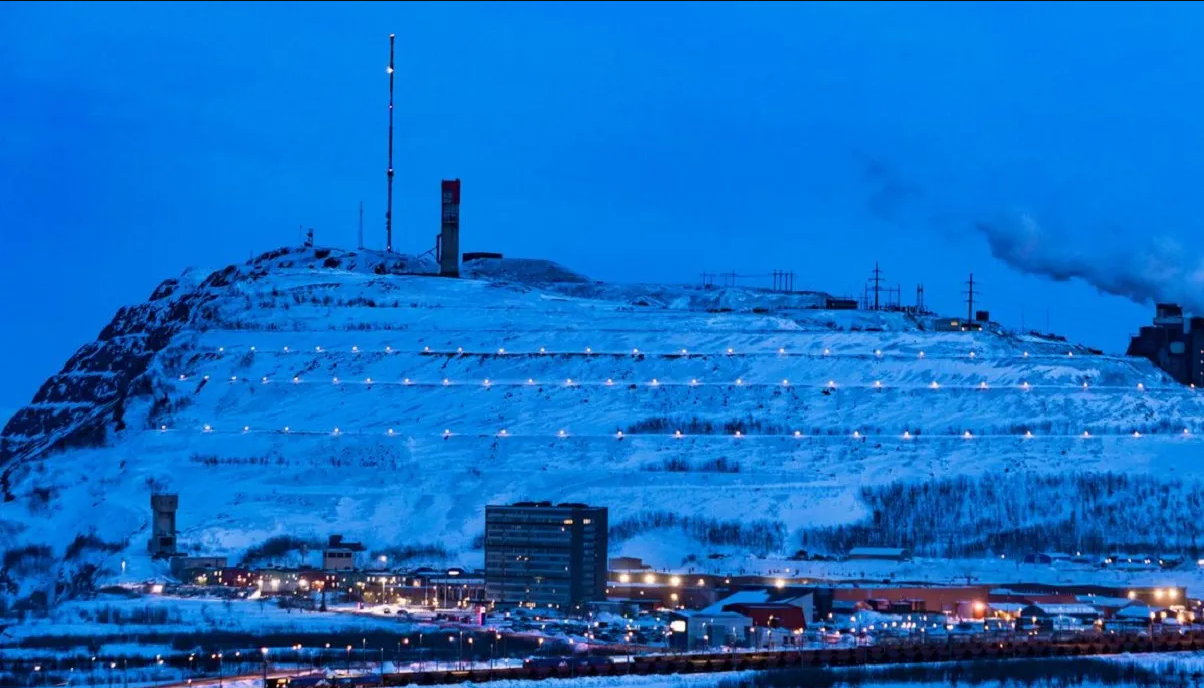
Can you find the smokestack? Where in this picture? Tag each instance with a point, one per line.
(449, 236)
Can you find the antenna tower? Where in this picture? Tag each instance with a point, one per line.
(389, 203)
(970, 299)
(920, 298)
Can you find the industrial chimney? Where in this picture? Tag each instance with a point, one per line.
(449, 235)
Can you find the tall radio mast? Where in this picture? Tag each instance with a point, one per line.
(389, 203)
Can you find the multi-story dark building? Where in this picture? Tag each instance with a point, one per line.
(542, 555)
(1171, 346)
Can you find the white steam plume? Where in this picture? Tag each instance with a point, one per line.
(1160, 272)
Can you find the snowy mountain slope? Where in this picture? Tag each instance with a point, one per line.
(316, 392)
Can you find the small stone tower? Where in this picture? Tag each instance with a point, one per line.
(162, 541)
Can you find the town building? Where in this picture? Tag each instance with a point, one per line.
(340, 555)
(542, 555)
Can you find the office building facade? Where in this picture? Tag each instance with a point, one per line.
(542, 555)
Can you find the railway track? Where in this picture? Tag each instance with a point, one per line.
(901, 653)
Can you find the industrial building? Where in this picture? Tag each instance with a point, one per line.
(162, 541)
(1169, 344)
(542, 555)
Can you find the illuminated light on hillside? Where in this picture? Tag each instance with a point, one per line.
(318, 349)
(967, 434)
(1026, 354)
(233, 378)
(486, 382)
(934, 385)
(739, 434)
(921, 354)
(906, 435)
(568, 382)
(1025, 385)
(162, 428)
(286, 428)
(562, 433)
(265, 378)
(982, 385)
(1070, 353)
(221, 349)
(782, 351)
(619, 435)
(832, 384)
(1140, 386)
(785, 383)
(355, 349)
(388, 349)
(446, 382)
(694, 382)
(730, 351)
(296, 379)
(588, 350)
(1136, 434)
(1186, 431)
(389, 432)
(1028, 433)
(856, 434)
(684, 352)
(447, 433)
(827, 351)
(1084, 385)
(336, 431)
(368, 381)
(609, 382)
(286, 349)
(739, 381)
(677, 433)
(543, 350)
(655, 382)
(426, 349)
(459, 349)
(502, 432)
(530, 381)
(971, 354)
(635, 352)
(252, 348)
(878, 383)
(207, 428)
(246, 428)
(406, 381)
(1086, 434)
(501, 352)
(798, 433)
(336, 380)
(183, 377)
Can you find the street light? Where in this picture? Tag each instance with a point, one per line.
(264, 650)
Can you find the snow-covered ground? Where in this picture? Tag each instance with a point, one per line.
(303, 397)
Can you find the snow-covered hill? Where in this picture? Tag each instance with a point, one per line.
(311, 392)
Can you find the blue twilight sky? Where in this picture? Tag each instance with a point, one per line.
(632, 141)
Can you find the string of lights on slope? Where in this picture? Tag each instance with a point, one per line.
(677, 434)
(830, 385)
(676, 353)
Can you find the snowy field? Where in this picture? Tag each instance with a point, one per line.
(302, 396)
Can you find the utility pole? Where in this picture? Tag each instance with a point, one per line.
(389, 203)
(876, 280)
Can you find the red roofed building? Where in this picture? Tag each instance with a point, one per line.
(770, 615)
